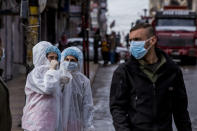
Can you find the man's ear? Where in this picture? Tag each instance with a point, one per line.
(153, 40)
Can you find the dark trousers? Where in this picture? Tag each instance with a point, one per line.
(105, 57)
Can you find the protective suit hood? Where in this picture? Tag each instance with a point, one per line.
(39, 55)
(73, 51)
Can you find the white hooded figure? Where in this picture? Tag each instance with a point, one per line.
(43, 93)
(77, 110)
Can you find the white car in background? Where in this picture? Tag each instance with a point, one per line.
(123, 53)
(78, 42)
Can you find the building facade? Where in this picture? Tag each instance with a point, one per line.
(11, 34)
(54, 17)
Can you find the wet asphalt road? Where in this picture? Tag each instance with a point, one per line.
(101, 90)
(190, 77)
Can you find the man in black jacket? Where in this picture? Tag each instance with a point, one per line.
(149, 89)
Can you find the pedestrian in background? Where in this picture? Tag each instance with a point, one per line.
(63, 44)
(5, 114)
(105, 50)
(112, 47)
(42, 90)
(77, 96)
(97, 39)
(149, 89)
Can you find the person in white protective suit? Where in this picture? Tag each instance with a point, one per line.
(77, 106)
(43, 93)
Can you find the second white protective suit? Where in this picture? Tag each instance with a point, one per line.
(77, 110)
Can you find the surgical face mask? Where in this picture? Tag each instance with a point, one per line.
(70, 66)
(137, 49)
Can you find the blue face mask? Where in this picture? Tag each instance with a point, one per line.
(137, 49)
(70, 66)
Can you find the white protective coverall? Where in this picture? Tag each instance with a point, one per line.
(77, 103)
(43, 94)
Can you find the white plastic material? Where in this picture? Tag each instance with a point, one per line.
(77, 104)
(43, 94)
(39, 55)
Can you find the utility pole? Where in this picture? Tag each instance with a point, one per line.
(85, 32)
(145, 16)
(145, 12)
(31, 32)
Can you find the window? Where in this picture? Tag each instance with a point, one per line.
(176, 22)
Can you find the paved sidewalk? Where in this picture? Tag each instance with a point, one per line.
(93, 71)
(17, 100)
(17, 96)
(101, 90)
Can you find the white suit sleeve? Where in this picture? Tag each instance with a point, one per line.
(88, 108)
(51, 81)
(43, 82)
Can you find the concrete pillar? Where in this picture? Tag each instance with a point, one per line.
(32, 31)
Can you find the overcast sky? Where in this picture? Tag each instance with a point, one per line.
(124, 12)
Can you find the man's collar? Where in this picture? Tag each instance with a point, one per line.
(160, 57)
(134, 63)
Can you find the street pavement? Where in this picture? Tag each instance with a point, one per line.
(101, 90)
(190, 77)
(17, 100)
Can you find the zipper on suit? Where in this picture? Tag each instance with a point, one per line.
(154, 106)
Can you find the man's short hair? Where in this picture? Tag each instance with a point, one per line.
(150, 30)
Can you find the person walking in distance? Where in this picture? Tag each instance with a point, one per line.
(97, 39)
(105, 51)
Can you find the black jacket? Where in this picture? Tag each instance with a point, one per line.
(137, 104)
(5, 114)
